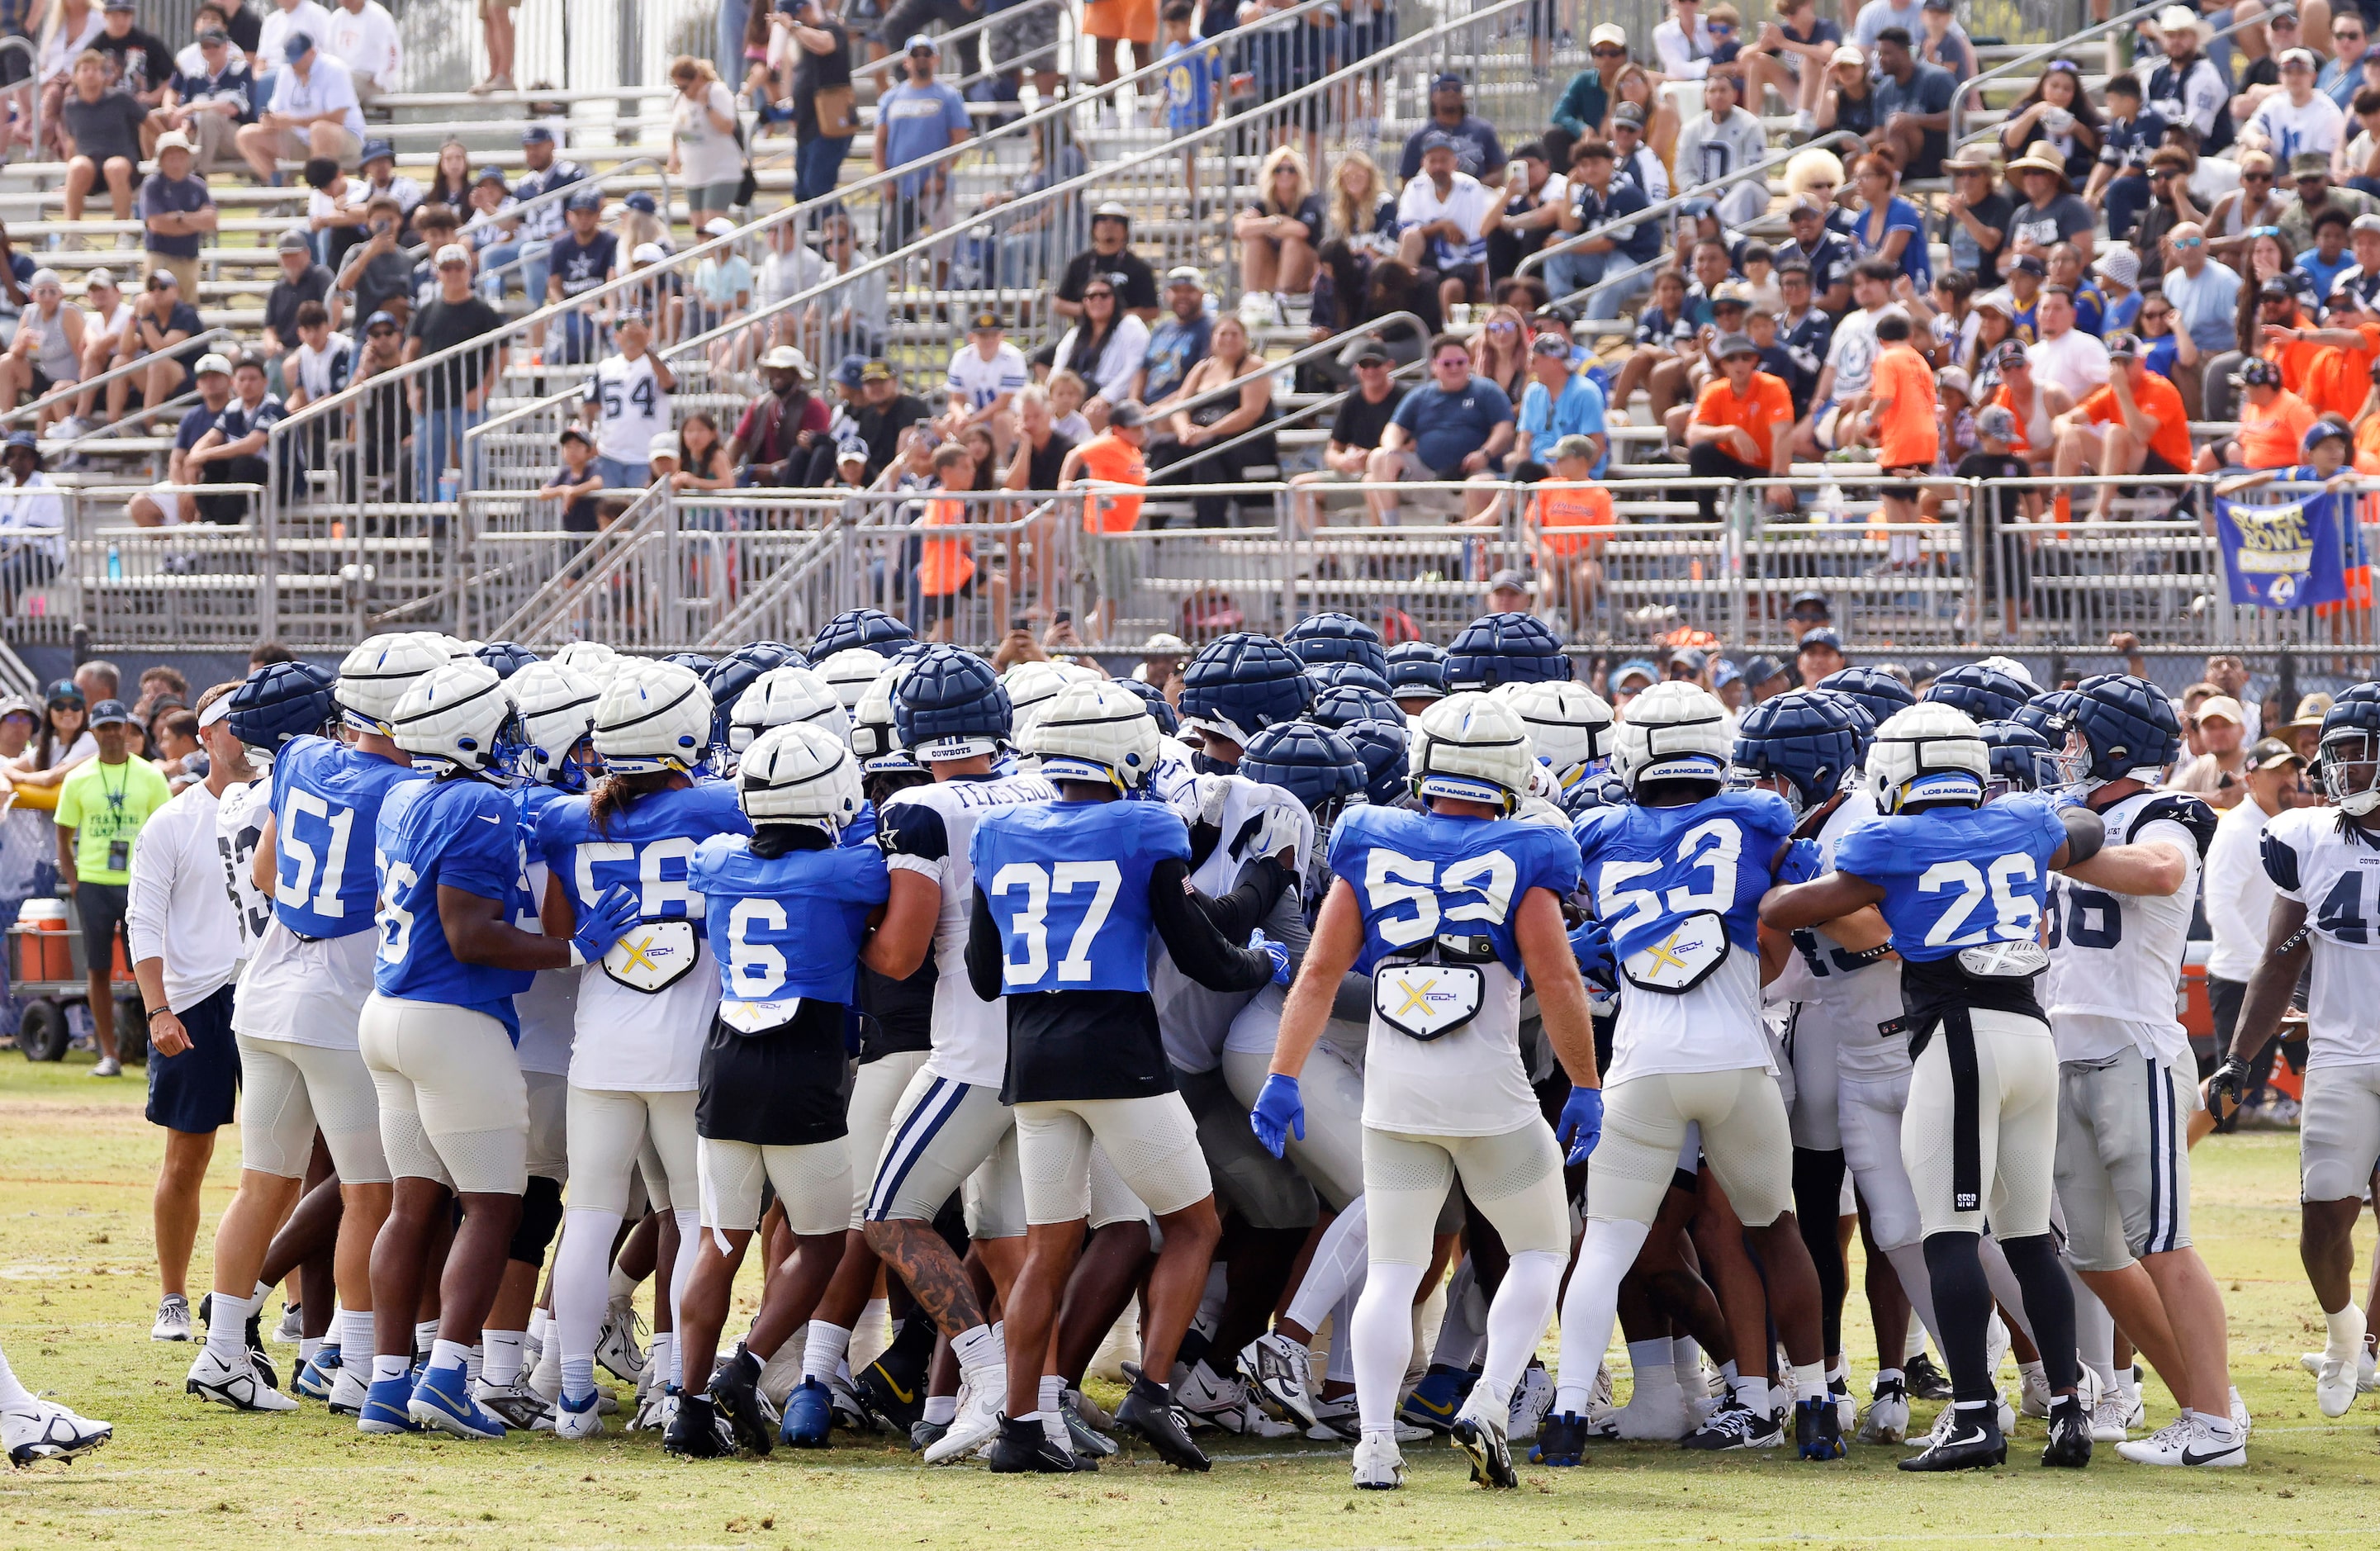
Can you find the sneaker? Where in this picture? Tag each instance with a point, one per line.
(515, 1404)
(1968, 1440)
(1216, 1402)
(809, 1416)
(1378, 1465)
(443, 1401)
(1818, 1429)
(2239, 1412)
(2169, 1445)
(292, 1328)
(107, 1066)
(2033, 1391)
(2334, 1386)
(66, 430)
(1734, 1425)
(698, 1431)
(388, 1407)
(1532, 1398)
(1148, 1410)
(172, 1319)
(39, 1429)
(1562, 1441)
(1281, 1371)
(656, 1410)
(620, 1347)
(2069, 1435)
(236, 1385)
(925, 1435)
(1026, 1449)
(319, 1376)
(2367, 1371)
(735, 1389)
(257, 1358)
(1441, 1394)
(1087, 1441)
(981, 1390)
(349, 1390)
(1888, 1413)
(577, 1419)
(1926, 1381)
(1478, 1431)
(2111, 1419)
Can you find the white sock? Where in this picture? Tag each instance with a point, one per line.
(664, 1358)
(1752, 1395)
(2035, 1372)
(1516, 1318)
(390, 1366)
(309, 1348)
(823, 1353)
(12, 1393)
(1053, 1424)
(1340, 1366)
(1727, 1373)
(1591, 1306)
(1686, 1362)
(255, 1297)
(473, 1356)
(1383, 1340)
(505, 1349)
(978, 1347)
(1809, 1380)
(355, 1333)
(941, 1410)
(2346, 1333)
(425, 1334)
(578, 1377)
(448, 1354)
(580, 1295)
(619, 1285)
(538, 1319)
(1657, 1377)
(227, 1330)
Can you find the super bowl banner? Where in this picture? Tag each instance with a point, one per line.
(2291, 556)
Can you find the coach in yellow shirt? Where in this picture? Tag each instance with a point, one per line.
(100, 808)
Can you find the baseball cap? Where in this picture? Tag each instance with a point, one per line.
(109, 713)
(1996, 421)
(377, 319)
(62, 692)
(1549, 345)
(1825, 636)
(1732, 344)
(492, 174)
(663, 445)
(2322, 431)
(583, 198)
(2311, 709)
(1439, 139)
(1848, 54)
(297, 46)
(2268, 754)
(2030, 263)
(2123, 346)
(1725, 672)
(2175, 18)
(2303, 58)
(875, 372)
(1575, 446)
(1128, 414)
(211, 361)
(641, 202)
(1630, 114)
(2308, 163)
(98, 277)
(160, 278)
(535, 133)
(785, 358)
(292, 242)
(24, 439)
(174, 140)
(2222, 707)
(453, 253)
(1507, 581)
(2013, 353)
(648, 253)
(1372, 355)
(1186, 275)
(1634, 668)
(375, 150)
(920, 43)
(213, 35)
(718, 226)
(1759, 670)
(1447, 81)
(1607, 32)
(850, 449)
(2273, 288)
(1691, 659)
(848, 371)
(1954, 380)
(986, 321)
(1112, 211)
(1810, 600)
(1165, 644)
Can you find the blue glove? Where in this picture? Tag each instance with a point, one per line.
(1278, 954)
(1582, 1123)
(1801, 863)
(607, 922)
(1596, 962)
(1279, 1114)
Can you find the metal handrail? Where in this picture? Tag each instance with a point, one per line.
(1307, 413)
(1631, 273)
(2047, 50)
(1958, 139)
(980, 25)
(1683, 196)
(141, 363)
(1337, 342)
(561, 590)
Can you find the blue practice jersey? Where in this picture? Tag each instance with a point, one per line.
(1648, 868)
(1069, 884)
(326, 808)
(530, 802)
(651, 847)
(460, 834)
(1957, 878)
(789, 926)
(1420, 874)
(861, 831)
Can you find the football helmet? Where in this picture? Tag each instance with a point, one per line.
(1471, 747)
(872, 628)
(278, 702)
(1343, 703)
(2021, 759)
(1878, 693)
(1309, 761)
(781, 696)
(950, 707)
(849, 673)
(1675, 730)
(1497, 649)
(653, 716)
(1927, 752)
(1031, 687)
(1381, 745)
(1807, 739)
(506, 658)
(1337, 637)
(1168, 723)
(2348, 758)
(799, 773)
(2129, 728)
(1241, 684)
(1979, 689)
(1416, 671)
(556, 703)
(1094, 729)
(1569, 726)
(375, 675)
(874, 741)
(458, 714)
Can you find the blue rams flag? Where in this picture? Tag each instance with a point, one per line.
(2291, 555)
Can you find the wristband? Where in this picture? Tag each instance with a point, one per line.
(1862, 956)
(577, 958)
(156, 1012)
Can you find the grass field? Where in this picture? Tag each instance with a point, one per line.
(77, 1291)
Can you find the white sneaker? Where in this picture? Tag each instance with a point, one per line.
(1996, 1347)
(2111, 1419)
(1806, 123)
(516, 1404)
(2187, 1441)
(1283, 1371)
(233, 1384)
(654, 1410)
(348, 1392)
(1532, 1398)
(1658, 1417)
(621, 1345)
(2240, 1412)
(172, 1319)
(2033, 1391)
(1886, 1420)
(44, 1430)
(107, 1066)
(1213, 1400)
(982, 1389)
(570, 1423)
(292, 1328)
(2367, 1369)
(2334, 1386)
(64, 430)
(1379, 1465)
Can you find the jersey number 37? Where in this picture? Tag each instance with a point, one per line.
(1088, 890)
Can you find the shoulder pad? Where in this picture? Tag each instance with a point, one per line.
(2191, 813)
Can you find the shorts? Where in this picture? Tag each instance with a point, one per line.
(1119, 566)
(297, 145)
(184, 271)
(198, 1091)
(876, 1090)
(1746, 1140)
(1263, 1191)
(1868, 1111)
(622, 476)
(935, 607)
(609, 1133)
(1028, 42)
(2151, 462)
(291, 1089)
(1514, 1179)
(1405, 463)
(1151, 1140)
(102, 907)
(549, 1125)
(1135, 21)
(812, 1181)
(715, 196)
(2338, 1132)
(946, 1134)
(2123, 1161)
(452, 1107)
(2016, 1118)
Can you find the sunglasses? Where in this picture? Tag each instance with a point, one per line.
(1607, 52)
(2250, 178)
(1503, 328)
(2190, 242)
(1092, 296)
(1719, 27)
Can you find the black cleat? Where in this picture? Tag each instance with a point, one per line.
(1562, 1440)
(893, 1390)
(1733, 1425)
(2069, 1435)
(1818, 1429)
(1484, 1444)
(736, 1391)
(1149, 1412)
(1023, 1448)
(1972, 1442)
(698, 1430)
(1923, 1380)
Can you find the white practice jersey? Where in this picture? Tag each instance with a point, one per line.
(239, 828)
(927, 830)
(1856, 1000)
(2115, 960)
(630, 408)
(1194, 1020)
(2338, 880)
(548, 1011)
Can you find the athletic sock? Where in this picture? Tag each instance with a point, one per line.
(227, 1327)
(578, 1376)
(1383, 1339)
(447, 1354)
(664, 1358)
(256, 1298)
(389, 1366)
(874, 1317)
(1517, 1316)
(1752, 1395)
(425, 1334)
(1729, 1372)
(2048, 1305)
(822, 1354)
(1809, 1381)
(941, 1410)
(2034, 1373)
(474, 1357)
(1963, 1299)
(1591, 1306)
(1656, 1376)
(1053, 1420)
(975, 1347)
(1686, 1362)
(309, 1348)
(2346, 1341)
(1891, 1376)
(12, 1393)
(538, 1320)
(505, 1350)
(355, 1332)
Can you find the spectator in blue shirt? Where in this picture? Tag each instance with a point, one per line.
(1913, 106)
(2342, 76)
(1454, 429)
(2119, 184)
(1557, 401)
(1180, 340)
(916, 119)
(2328, 256)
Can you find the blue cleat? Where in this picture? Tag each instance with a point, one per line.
(1436, 1397)
(388, 1407)
(809, 1413)
(443, 1401)
(1560, 1441)
(316, 1378)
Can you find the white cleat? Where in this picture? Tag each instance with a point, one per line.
(2334, 1386)
(172, 1319)
(348, 1392)
(1478, 1431)
(2367, 1370)
(292, 1328)
(1213, 1400)
(1338, 1422)
(2188, 1442)
(2033, 1392)
(655, 1411)
(1886, 1420)
(1283, 1371)
(621, 1345)
(2111, 1419)
(235, 1384)
(981, 1390)
(2239, 1423)
(585, 1420)
(1531, 1399)
(43, 1429)
(1380, 1466)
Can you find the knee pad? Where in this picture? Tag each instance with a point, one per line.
(541, 1216)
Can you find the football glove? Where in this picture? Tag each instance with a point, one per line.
(1279, 1114)
(606, 923)
(1582, 1123)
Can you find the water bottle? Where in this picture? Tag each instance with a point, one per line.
(115, 563)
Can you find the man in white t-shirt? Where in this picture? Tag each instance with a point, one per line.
(362, 36)
(1442, 221)
(2239, 894)
(313, 112)
(628, 405)
(2297, 118)
(986, 375)
(2064, 355)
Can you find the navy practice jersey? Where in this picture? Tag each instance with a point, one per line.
(1420, 874)
(326, 808)
(791, 925)
(1068, 883)
(461, 834)
(1957, 877)
(1648, 868)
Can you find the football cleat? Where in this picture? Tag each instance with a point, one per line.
(292, 1328)
(1734, 1425)
(1437, 1398)
(2188, 1441)
(656, 1410)
(1378, 1465)
(1026, 1449)
(698, 1431)
(1281, 1371)
(388, 1407)
(1089, 1442)
(2114, 1417)
(2367, 1369)
(236, 1385)
(925, 1435)
(1924, 1379)
(39, 1429)
(578, 1419)
(1337, 1421)
(2239, 1412)
(349, 1389)
(1888, 1413)
(172, 1319)
(1653, 1416)
(1818, 1429)
(981, 1390)
(256, 1355)
(317, 1375)
(735, 1389)
(1212, 1400)
(2033, 1390)
(516, 1405)
(1148, 1410)
(809, 1416)
(1562, 1441)
(893, 1392)
(1970, 1440)
(1846, 1408)
(2334, 1386)
(1479, 1433)
(850, 1412)
(2069, 1435)
(620, 1346)
(443, 1401)
(1531, 1399)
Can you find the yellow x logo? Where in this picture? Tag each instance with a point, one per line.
(1415, 997)
(637, 955)
(1661, 955)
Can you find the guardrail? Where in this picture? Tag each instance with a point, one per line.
(194, 346)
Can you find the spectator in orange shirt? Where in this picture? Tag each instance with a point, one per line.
(2345, 346)
(1112, 457)
(1568, 520)
(2273, 423)
(1902, 414)
(946, 568)
(1740, 424)
(2279, 323)
(2147, 428)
